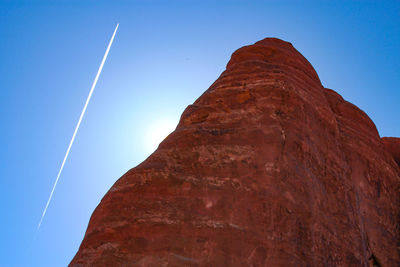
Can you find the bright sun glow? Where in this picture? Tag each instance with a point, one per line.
(157, 132)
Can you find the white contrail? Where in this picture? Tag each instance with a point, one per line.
(79, 123)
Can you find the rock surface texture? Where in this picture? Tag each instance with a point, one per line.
(266, 168)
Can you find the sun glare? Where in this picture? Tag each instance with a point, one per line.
(157, 132)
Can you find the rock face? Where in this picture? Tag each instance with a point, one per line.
(393, 146)
(266, 168)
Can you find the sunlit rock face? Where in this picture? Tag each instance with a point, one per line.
(266, 168)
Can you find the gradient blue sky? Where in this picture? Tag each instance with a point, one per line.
(165, 54)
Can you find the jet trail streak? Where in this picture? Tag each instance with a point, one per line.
(79, 123)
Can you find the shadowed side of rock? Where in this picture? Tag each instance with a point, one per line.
(266, 168)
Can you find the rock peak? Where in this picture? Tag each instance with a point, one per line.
(274, 40)
(271, 41)
(273, 53)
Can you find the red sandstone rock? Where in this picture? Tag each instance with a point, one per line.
(266, 168)
(393, 146)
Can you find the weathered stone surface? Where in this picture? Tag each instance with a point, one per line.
(266, 168)
(393, 146)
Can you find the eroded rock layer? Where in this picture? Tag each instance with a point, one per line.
(266, 168)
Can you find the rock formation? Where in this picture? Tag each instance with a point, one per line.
(266, 168)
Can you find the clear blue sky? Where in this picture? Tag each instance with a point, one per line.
(165, 54)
